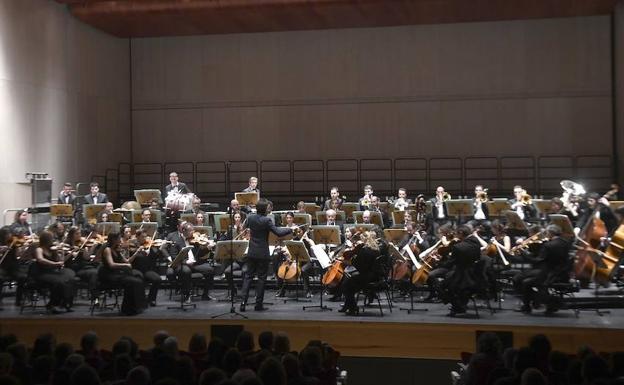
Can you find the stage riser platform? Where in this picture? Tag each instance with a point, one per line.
(351, 338)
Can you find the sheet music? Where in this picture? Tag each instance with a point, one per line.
(190, 257)
(271, 250)
(321, 256)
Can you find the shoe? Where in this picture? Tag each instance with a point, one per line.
(343, 309)
(280, 293)
(187, 298)
(335, 298)
(55, 310)
(260, 308)
(526, 309)
(550, 310)
(308, 294)
(456, 311)
(68, 309)
(242, 308)
(207, 297)
(351, 312)
(152, 303)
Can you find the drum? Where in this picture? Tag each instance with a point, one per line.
(179, 202)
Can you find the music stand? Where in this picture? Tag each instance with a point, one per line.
(116, 217)
(349, 208)
(375, 217)
(312, 208)
(497, 207)
(616, 204)
(299, 252)
(321, 217)
(62, 212)
(145, 197)
(229, 251)
(399, 254)
(247, 198)
(394, 236)
(148, 227)
(459, 208)
(398, 217)
(90, 212)
(178, 260)
(360, 226)
(325, 262)
(567, 230)
(105, 228)
(515, 223)
(299, 219)
(222, 222)
(326, 235)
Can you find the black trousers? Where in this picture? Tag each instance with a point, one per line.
(134, 289)
(259, 268)
(184, 273)
(60, 283)
(153, 279)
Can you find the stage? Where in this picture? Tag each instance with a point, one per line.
(427, 334)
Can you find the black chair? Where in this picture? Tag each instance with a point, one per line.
(32, 291)
(105, 296)
(372, 291)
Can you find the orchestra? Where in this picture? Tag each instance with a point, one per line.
(452, 249)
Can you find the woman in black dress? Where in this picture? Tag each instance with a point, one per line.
(48, 271)
(117, 271)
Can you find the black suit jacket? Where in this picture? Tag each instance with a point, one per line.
(434, 210)
(484, 207)
(61, 199)
(177, 244)
(259, 227)
(182, 188)
(101, 198)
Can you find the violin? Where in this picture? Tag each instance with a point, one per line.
(201, 239)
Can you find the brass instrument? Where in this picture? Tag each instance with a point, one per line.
(446, 197)
(526, 199)
(482, 196)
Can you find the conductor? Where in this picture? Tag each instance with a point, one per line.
(258, 256)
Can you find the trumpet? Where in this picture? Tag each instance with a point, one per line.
(482, 196)
(445, 197)
(526, 199)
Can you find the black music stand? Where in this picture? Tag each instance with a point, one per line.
(229, 251)
(297, 250)
(323, 236)
(460, 208)
(178, 260)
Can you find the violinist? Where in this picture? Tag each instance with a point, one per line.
(598, 208)
(461, 278)
(58, 231)
(20, 225)
(78, 258)
(334, 202)
(179, 240)
(146, 216)
(48, 271)
(551, 264)
(117, 270)
(365, 201)
(199, 219)
(143, 258)
(367, 253)
(235, 207)
(12, 268)
(155, 205)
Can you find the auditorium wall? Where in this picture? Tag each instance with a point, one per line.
(64, 98)
(534, 87)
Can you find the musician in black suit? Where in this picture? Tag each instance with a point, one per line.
(175, 185)
(258, 256)
(253, 186)
(95, 197)
(481, 216)
(551, 264)
(439, 212)
(526, 211)
(67, 196)
(334, 202)
(193, 264)
(461, 279)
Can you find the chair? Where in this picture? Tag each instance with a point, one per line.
(104, 292)
(33, 291)
(372, 290)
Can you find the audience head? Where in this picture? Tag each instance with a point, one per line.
(245, 342)
(89, 342)
(281, 345)
(139, 375)
(532, 376)
(85, 375)
(490, 344)
(198, 343)
(272, 372)
(212, 376)
(265, 340)
(160, 337)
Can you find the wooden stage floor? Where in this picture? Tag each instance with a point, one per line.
(422, 334)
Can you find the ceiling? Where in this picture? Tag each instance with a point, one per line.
(144, 18)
